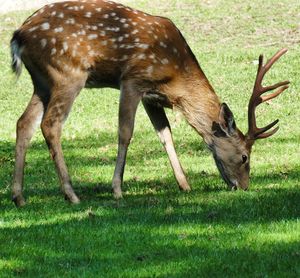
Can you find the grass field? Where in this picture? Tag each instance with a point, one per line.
(157, 231)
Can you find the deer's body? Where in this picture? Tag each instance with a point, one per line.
(71, 45)
(111, 44)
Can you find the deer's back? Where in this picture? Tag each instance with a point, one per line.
(105, 39)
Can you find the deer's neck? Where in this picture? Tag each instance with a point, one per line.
(199, 104)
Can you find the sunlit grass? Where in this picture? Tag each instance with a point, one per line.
(157, 231)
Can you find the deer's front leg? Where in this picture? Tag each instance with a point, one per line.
(161, 124)
(129, 100)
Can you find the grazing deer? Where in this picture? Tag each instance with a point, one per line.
(75, 44)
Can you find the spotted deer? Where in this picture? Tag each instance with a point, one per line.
(75, 44)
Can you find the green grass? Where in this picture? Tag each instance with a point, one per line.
(157, 231)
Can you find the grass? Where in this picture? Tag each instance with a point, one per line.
(157, 231)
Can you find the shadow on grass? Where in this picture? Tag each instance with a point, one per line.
(101, 142)
(165, 235)
(154, 231)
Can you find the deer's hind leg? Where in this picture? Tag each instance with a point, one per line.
(26, 127)
(60, 103)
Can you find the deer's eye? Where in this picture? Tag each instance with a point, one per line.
(244, 158)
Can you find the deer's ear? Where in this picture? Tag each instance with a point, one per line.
(226, 120)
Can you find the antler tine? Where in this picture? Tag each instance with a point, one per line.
(268, 134)
(278, 92)
(262, 130)
(256, 98)
(260, 73)
(270, 63)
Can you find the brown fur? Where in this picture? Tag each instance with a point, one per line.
(70, 45)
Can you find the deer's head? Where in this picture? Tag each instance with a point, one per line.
(231, 148)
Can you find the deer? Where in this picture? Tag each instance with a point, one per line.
(71, 45)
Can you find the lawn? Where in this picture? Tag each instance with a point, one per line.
(156, 230)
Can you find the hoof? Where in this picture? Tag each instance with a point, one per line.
(19, 201)
(185, 188)
(73, 199)
(117, 194)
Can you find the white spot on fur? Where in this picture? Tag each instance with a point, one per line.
(45, 26)
(53, 13)
(142, 56)
(104, 42)
(141, 18)
(134, 32)
(32, 29)
(88, 14)
(150, 69)
(163, 44)
(65, 46)
(92, 36)
(165, 61)
(58, 29)
(53, 40)
(92, 53)
(143, 45)
(81, 32)
(70, 21)
(61, 15)
(53, 51)
(43, 43)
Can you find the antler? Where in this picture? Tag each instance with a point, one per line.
(254, 132)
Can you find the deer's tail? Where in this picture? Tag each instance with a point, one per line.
(16, 49)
